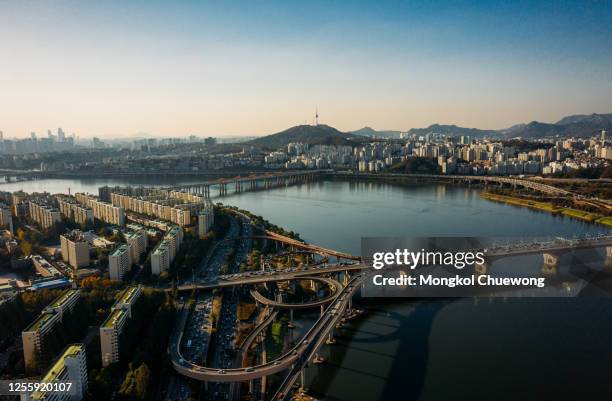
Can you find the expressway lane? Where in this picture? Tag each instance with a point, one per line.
(335, 287)
(315, 335)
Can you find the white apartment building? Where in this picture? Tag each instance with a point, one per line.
(160, 258)
(119, 262)
(137, 240)
(71, 367)
(111, 329)
(6, 219)
(104, 211)
(206, 219)
(46, 216)
(32, 336)
(75, 249)
(74, 211)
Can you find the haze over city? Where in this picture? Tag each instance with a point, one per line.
(113, 69)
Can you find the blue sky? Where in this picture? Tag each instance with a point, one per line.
(227, 68)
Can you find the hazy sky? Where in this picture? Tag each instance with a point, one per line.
(175, 68)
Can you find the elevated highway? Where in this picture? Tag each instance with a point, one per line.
(304, 350)
(325, 325)
(249, 278)
(334, 286)
(260, 277)
(271, 315)
(485, 179)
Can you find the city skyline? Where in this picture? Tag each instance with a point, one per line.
(115, 70)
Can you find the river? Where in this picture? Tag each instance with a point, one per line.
(503, 349)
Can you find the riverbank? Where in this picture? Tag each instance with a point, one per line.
(549, 207)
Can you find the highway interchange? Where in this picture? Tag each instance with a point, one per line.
(223, 369)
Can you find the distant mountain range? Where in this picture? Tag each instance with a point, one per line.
(580, 125)
(371, 132)
(452, 130)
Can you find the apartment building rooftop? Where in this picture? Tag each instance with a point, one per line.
(61, 300)
(58, 368)
(75, 235)
(128, 295)
(113, 318)
(161, 247)
(119, 250)
(40, 321)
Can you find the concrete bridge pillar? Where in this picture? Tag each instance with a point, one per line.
(303, 379)
(608, 263)
(251, 386)
(481, 268)
(291, 325)
(550, 258)
(264, 378)
(549, 270)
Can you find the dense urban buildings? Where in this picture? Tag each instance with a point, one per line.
(102, 210)
(44, 214)
(74, 211)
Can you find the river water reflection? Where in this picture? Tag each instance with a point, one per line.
(528, 349)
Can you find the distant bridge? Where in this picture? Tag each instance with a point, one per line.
(253, 182)
(485, 179)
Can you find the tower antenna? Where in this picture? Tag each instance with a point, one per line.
(316, 115)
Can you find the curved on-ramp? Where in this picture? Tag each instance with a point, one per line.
(334, 285)
(314, 337)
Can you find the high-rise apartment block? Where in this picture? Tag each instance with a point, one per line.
(75, 249)
(166, 250)
(33, 336)
(119, 262)
(70, 367)
(75, 211)
(106, 212)
(43, 214)
(113, 326)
